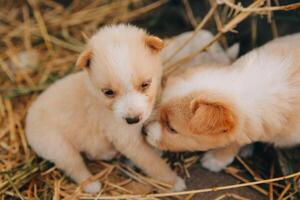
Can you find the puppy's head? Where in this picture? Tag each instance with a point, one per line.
(124, 67)
(194, 122)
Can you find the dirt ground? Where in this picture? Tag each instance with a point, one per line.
(202, 178)
(263, 159)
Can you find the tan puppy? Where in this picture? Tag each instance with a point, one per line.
(100, 110)
(255, 99)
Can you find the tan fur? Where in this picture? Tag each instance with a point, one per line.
(211, 117)
(155, 43)
(84, 58)
(191, 123)
(74, 116)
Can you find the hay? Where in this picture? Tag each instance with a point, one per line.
(40, 43)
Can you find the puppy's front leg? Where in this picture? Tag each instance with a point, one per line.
(218, 159)
(67, 158)
(138, 151)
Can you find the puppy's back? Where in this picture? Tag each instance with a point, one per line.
(51, 106)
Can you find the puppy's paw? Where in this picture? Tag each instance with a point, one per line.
(92, 187)
(109, 155)
(153, 134)
(179, 185)
(212, 163)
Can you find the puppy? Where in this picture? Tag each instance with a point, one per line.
(215, 54)
(100, 110)
(257, 98)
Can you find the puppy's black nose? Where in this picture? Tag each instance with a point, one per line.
(132, 120)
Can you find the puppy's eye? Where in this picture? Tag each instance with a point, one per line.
(108, 92)
(170, 128)
(145, 85)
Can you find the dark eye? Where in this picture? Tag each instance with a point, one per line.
(145, 85)
(170, 128)
(108, 92)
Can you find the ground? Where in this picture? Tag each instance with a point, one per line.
(202, 178)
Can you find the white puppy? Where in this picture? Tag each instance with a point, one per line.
(100, 110)
(257, 98)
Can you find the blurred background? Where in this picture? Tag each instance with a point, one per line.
(172, 19)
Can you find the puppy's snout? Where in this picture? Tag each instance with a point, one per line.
(133, 120)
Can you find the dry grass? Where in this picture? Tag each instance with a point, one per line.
(39, 44)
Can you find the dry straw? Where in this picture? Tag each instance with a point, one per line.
(39, 44)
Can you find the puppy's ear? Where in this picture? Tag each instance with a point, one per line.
(154, 43)
(84, 59)
(211, 117)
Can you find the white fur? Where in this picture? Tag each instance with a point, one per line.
(154, 133)
(92, 187)
(213, 164)
(233, 51)
(118, 57)
(73, 115)
(251, 82)
(179, 185)
(259, 76)
(214, 55)
(261, 89)
(130, 105)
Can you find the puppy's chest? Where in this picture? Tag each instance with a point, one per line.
(100, 128)
(118, 132)
(88, 128)
(92, 138)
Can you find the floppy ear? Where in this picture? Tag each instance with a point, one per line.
(210, 118)
(154, 43)
(84, 59)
